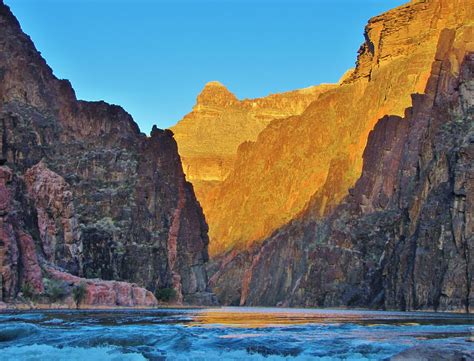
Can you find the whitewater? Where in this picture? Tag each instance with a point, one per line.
(226, 334)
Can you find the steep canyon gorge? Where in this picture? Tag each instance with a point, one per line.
(357, 194)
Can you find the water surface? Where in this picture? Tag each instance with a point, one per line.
(226, 334)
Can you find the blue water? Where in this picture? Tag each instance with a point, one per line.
(226, 334)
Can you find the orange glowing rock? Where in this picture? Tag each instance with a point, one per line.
(281, 163)
(209, 136)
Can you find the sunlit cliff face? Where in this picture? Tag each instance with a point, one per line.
(210, 135)
(255, 168)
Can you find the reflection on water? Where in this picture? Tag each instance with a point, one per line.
(273, 317)
(226, 334)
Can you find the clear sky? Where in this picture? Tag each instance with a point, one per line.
(154, 57)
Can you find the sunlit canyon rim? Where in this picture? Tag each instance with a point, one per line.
(355, 194)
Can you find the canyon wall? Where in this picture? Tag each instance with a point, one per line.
(86, 197)
(398, 233)
(274, 177)
(403, 237)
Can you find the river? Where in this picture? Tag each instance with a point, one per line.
(227, 334)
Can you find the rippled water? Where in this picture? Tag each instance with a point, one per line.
(226, 334)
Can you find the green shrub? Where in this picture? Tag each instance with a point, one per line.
(28, 291)
(55, 290)
(79, 293)
(165, 294)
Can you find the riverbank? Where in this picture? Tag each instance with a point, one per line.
(28, 306)
(61, 307)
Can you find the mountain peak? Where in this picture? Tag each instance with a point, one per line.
(214, 83)
(216, 94)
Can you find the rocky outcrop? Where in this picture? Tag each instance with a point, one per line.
(57, 220)
(105, 293)
(275, 177)
(209, 136)
(91, 195)
(402, 238)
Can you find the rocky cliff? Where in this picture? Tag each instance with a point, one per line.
(87, 198)
(401, 237)
(274, 177)
(209, 136)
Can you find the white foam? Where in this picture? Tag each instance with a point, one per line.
(208, 355)
(46, 352)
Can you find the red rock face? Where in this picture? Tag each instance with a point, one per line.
(93, 196)
(209, 137)
(17, 248)
(107, 293)
(29, 261)
(57, 220)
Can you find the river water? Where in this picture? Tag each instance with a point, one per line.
(226, 334)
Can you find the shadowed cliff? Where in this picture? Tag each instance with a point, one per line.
(86, 196)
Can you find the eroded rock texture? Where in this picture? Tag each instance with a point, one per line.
(403, 236)
(89, 194)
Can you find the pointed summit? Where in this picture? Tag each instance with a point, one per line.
(216, 94)
(214, 83)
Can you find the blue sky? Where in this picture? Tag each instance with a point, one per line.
(154, 57)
